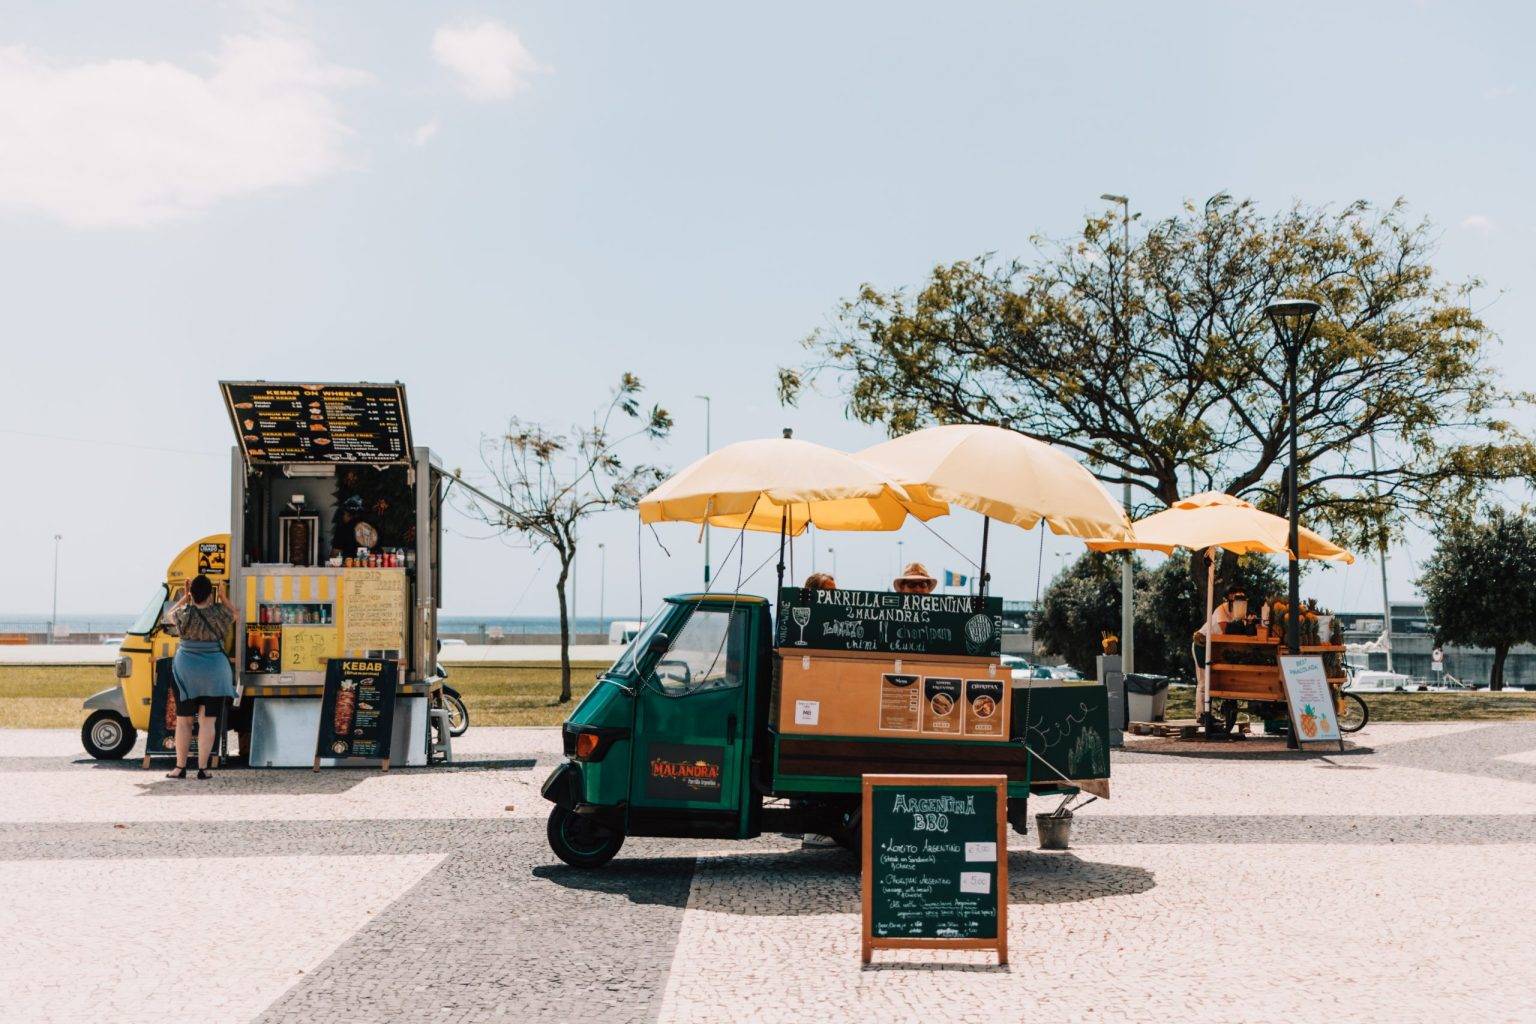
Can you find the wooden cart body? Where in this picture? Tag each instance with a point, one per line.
(1248, 667)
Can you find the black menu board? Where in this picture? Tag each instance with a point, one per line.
(357, 709)
(160, 740)
(287, 423)
(885, 621)
(935, 862)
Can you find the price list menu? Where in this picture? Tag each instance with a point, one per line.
(288, 423)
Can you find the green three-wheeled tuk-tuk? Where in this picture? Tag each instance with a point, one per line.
(704, 729)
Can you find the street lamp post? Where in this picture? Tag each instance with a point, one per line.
(833, 552)
(1292, 319)
(602, 584)
(53, 622)
(1127, 576)
(708, 447)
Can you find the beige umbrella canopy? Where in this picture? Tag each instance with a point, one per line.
(1002, 474)
(1216, 520)
(782, 482)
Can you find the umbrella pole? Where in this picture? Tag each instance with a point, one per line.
(783, 526)
(1210, 605)
(986, 526)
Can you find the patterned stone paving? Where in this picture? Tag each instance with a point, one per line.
(1391, 882)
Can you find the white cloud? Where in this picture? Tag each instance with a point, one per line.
(1479, 223)
(424, 132)
(488, 60)
(130, 142)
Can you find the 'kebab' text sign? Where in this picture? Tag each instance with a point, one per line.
(888, 622)
(935, 851)
(1314, 719)
(357, 710)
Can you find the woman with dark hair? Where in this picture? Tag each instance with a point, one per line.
(204, 677)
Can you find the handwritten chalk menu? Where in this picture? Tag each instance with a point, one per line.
(308, 648)
(357, 710)
(935, 862)
(880, 620)
(900, 702)
(1067, 724)
(373, 609)
(1313, 716)
(319, 422)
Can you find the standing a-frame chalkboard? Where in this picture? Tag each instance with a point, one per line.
(935, 863)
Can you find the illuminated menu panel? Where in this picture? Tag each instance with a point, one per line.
(319, 422)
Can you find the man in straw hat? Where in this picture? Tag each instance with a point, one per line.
(914, 579)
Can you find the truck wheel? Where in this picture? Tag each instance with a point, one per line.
(849, 837)
(580, 841)
(108, 736)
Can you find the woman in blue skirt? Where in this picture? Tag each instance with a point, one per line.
(204, 677)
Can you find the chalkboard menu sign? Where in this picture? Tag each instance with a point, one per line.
(935, 862)
(885, 621)
(1067, 725)
(319, 422)
(357, 710)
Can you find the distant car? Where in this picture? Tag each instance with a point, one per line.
(1065, 672)
(454, 641)
(112, 641)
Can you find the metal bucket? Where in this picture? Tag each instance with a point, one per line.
(1055, 832)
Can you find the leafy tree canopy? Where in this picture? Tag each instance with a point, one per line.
(1480, 584)
(1156, 364)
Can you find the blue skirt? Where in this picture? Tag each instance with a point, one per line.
(202, 670)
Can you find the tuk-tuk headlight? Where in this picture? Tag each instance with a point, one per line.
(124, 667)
(592, 742)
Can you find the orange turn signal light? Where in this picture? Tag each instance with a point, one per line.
(586, 744)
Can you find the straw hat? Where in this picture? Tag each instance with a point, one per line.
(916, 572)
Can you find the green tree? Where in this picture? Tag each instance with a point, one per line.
(1480, 584)
(548, 481)
(1081, 605)
(1157, 365)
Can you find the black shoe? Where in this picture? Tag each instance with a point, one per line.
(202, 773)
(176, 773)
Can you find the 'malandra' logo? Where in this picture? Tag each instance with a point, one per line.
(702, 770)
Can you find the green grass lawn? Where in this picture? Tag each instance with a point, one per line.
(1412, 707)
(49, 696)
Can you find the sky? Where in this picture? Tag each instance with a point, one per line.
(507, 205)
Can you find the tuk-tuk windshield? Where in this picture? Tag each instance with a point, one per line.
(628, 663)
(150, 616)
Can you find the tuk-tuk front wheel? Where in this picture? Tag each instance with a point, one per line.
(580, 841)
(108, 736)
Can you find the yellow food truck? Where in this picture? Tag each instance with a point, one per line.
(333, 552)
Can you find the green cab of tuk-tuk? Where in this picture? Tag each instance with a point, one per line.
(703, 729)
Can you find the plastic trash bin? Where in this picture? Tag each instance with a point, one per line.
(1146, 697)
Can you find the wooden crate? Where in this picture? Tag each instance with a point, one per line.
(890, 696)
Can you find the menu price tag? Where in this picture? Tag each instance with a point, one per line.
(935, 863)
(357, 710)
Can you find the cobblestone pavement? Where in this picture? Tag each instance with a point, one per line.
(1393, 881)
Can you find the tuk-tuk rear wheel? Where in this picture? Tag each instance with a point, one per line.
(580, 841)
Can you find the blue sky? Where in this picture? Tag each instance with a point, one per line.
(506, 205)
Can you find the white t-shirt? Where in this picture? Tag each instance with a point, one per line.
(1220, 616)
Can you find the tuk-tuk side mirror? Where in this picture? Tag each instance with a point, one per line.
(659, 644)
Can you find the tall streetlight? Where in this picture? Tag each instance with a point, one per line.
(1127, 577)
(833, 552)
(53, 623)
(602, 584)
(708, 447)
(1292, 319)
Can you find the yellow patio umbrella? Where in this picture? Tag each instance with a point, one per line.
(1002, 474)
(1216, 520)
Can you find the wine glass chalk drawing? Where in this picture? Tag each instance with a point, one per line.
(802, 617)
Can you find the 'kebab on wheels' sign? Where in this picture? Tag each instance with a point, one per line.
(357, 710)
(935, 851)
(1314, 719)
(288, 423)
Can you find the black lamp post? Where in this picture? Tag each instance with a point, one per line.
(1293, 326)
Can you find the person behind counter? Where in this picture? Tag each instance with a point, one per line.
(204, 678)
(914, 579)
